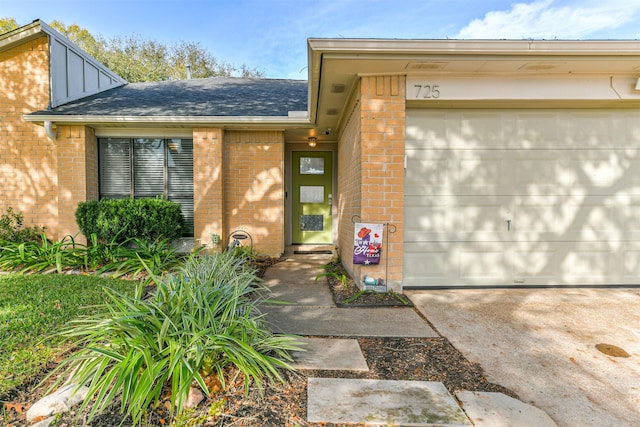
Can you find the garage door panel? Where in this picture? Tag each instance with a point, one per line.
(484, 262)
(455, 172)
(631, 217)
(588, 263)
(434, 264)
(473, 129)
(428, 261)
(532, 197)
(430, 172)
(575, 263)
(571, 218)
(534, 262)
(537, 172)
(455, 218)
(597, 129)
(632, 175)
(536, 130)
(630, 262)
(591, 172)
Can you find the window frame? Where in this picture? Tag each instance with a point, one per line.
(166, 173)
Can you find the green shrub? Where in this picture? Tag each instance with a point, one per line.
(43, 257)
(12, 229)
(135, 257)
(118, 220)
(196, 324)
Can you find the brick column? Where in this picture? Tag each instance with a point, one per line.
(208, 184)
(77, 175)
(382, 114)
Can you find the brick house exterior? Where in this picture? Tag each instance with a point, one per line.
(24, 88)
(441, 141)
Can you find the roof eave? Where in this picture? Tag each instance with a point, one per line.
(258, 121)
(462, 47)
(22, 34)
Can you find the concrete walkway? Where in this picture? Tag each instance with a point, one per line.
(310, 312)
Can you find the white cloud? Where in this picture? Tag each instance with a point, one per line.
(542, 19)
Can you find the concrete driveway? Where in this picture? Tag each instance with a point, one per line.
(541, 343)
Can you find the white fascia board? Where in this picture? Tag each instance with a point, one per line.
(261, 121)
(490, 47)
(20, 35)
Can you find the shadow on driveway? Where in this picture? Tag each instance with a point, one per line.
(541, 343)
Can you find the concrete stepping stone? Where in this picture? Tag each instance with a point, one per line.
(386, 402)
(500, 410)
(330, 354)
(348, 322)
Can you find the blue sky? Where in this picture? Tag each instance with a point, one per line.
(270, 35)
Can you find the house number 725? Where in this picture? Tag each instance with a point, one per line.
(427, 91)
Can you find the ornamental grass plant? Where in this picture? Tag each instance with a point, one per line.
(196, 323)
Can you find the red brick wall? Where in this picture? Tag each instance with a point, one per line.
(28, 161)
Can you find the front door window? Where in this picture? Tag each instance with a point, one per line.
(312, 197)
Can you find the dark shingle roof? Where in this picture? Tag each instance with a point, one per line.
(216, 96)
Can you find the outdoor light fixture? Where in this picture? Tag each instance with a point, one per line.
(638, 84)
(312, 141)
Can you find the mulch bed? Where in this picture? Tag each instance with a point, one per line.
(346, 292)
(284, 404)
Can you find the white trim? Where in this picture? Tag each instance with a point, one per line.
(150, 132)
(460, 47)
(271, 121)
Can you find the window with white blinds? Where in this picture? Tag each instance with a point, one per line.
(148, 167)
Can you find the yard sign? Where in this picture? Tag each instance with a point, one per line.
(367, 243)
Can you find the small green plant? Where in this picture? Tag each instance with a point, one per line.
(12, 229)
(355, 296)
(136, 256)
(330, 271)
(244, 252)
(96, 254)
(42, 257)
(197, 323)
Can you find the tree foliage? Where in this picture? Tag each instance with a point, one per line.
(137, 59)
(7, 24)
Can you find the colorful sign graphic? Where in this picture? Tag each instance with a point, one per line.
(367, 243)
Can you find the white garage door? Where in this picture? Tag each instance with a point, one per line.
(531, 197)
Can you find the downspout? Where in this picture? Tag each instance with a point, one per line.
(48, 128)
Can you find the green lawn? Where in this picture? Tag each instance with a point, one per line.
(32, 307)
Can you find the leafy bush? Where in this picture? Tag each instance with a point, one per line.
(12, 229)
(118, 220)
(45, 257)
(195, 325)
(136, 256)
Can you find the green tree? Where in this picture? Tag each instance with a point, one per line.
(7, 24)
(141, 60)
(80, 36)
